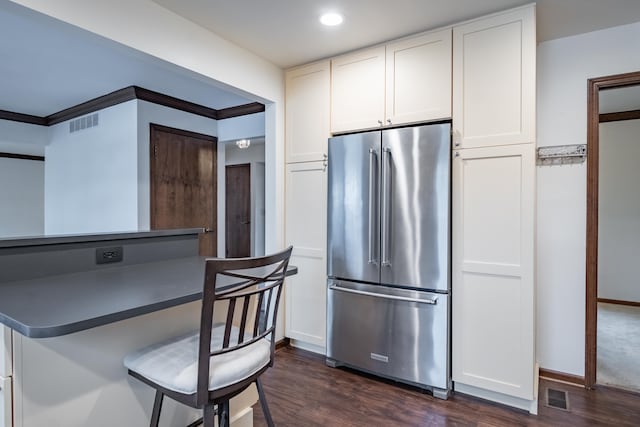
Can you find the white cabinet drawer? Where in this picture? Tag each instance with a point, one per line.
(5, 351)
(5, 402)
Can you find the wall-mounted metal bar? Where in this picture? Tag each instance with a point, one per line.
(562, 154)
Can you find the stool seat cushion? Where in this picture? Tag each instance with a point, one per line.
(173, 364)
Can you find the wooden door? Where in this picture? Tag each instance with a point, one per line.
(183, 183)
(238, 211)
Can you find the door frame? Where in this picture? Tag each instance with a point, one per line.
(593, 121)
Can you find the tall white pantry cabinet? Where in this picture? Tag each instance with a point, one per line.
(493, 205)
(6, 371)
(306, 133)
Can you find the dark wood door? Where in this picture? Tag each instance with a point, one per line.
(183, 183)
(238, 210)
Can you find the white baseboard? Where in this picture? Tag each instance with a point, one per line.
(306, 346)
(243, 418)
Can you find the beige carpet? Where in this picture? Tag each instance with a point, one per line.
(619, 346)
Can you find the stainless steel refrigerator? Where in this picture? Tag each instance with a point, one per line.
(388, 254)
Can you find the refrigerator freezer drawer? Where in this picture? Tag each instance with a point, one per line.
(395, 333)
(6, 406)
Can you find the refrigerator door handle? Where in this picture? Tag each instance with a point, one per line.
(372, 196)
(386, 171)
(431, 301)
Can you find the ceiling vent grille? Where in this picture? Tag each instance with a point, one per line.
(83, 123)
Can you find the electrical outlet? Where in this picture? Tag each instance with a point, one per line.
(108, 255)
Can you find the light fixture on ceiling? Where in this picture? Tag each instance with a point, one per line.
(331, 19)
(243, 143)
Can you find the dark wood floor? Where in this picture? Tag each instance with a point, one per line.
(302, 391)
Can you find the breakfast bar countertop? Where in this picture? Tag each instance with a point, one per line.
(58, 305)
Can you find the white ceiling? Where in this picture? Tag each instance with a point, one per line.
(47, 65)
(287, 32)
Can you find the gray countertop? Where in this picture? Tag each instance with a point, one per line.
(62, 304)
(95, 237)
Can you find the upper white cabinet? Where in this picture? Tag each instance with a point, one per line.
(403, 82)
(357, 90)
(419, 78)
(493, 320)
(494, 80)
(307, 112)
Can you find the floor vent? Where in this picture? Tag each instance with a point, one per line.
(557, 399)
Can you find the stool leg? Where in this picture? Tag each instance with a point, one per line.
(209, 415)
(157, 406)
(223, 414)
(263, 404)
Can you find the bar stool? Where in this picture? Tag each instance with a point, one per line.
(206, 368)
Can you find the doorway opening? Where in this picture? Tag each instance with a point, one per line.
(602, 314)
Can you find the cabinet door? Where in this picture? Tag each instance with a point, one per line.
(307, 112)
(492, 270)
(6, 406)
(5, 351)
(494, 71)
(419, 78)
(306, 207)
(357, 90)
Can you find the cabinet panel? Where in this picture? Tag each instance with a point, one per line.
(493, 283)
(307, 112)
(6, 407)
(5, 351)
(419, 78)
(357, 90)
(305, 229)
(494, 80)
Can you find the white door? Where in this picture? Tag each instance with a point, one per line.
(307, 112)
(357, 90)
(419, 78)
(306, 207)
(494, 72)
(492, 269)
(6, 418)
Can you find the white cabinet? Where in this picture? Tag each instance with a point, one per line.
(419, 78)
(357, 90)
(307, 112)
(494, 75)
(6, 407)
(5, 352)
(493, 321)
(305, 229)
(406, 81)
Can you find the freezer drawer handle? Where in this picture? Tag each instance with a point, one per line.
(432, 301)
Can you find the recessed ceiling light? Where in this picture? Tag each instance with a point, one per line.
(331, 19)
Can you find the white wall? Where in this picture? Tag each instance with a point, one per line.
(619, 211)
(21, 181)
(564, 65)
(179, 41)
(91, 176)
(21, 197)
(154, 113)
(249, 126)
(23, 138)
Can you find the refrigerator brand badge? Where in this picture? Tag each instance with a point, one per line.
(379, 358)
